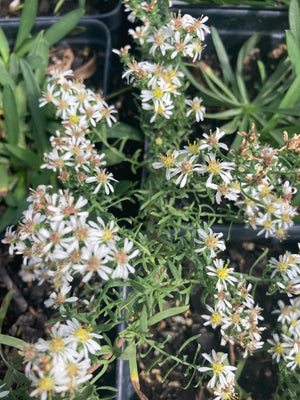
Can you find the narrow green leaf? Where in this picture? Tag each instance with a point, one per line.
(27, 21)
(3, 180)
(63, 26)
(14, 67)
(4, 307)
(144, 319)
(294, 18)
(223, 58)
(38, 117)
(28, 157)
(293, 50)
(4, 47)
(11, 117)
(12, 341)
(38, 58)
(167, 313)
(5, 78)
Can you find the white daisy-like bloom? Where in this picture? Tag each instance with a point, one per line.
(50, 94)
(102, 178)
(294, 358)
(58, 346)
(168, 161)
(284, 311)
(225, 392)
(249, 205)
(78, 334)
(140, 33)
(221, 371)
(210, 241)
(268, 225)
(277, 347)
(180, 45)
(197, 26)
(196, 107)
(105, 233)
(229, 192)
(107, 113)
(164, 110)
(245, 292)
(223, 273)
(56, 234)
(184, 168)
(93, 260)
(221, 300)
(284, 215)
(217, 168)
(215, 318)
(56, 161)
(47, 383)
(77, 371)
(212, 141)
(160, 40)
(122, 258)
(286, 266)
(57, 299)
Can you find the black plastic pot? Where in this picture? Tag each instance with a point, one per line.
(90, 32)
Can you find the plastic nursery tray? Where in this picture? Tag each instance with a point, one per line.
(89, 32)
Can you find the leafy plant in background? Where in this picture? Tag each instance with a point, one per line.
(24, 124)
(273, 107)
(70, 237)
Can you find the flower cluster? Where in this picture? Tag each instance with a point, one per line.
(79, 110)
(58, 241)
(253, 181)
(162, 82)
(62, 363)
(234, 311)
(285, 271)
(222, 381)
(284, 346)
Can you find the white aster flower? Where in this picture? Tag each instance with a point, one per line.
(196, 107)
(223, 273)
(122, 258)
(221, 371)
(102, 178)
(210, 241)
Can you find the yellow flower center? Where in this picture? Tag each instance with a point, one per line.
(211, 242)
(278, 349)
(194, 148)
(267, 224)
(72, 369)
(169, 161)
(157, 93)
(297, 358)
(107, 234)
(46, 383)
(281, 266)
(83, 334)
(215, 318)
(217, 367)
(102, 178)
(74, 119)
(222, 272)
(57, 345)
(214, 167)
